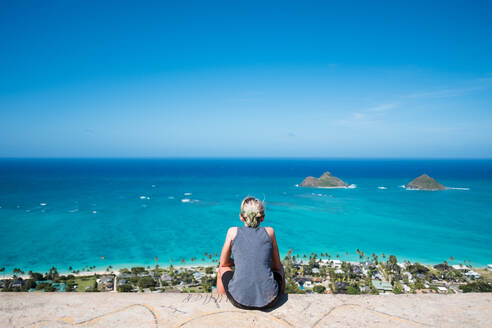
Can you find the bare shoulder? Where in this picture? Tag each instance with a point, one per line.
(270, 232)
(232, 232)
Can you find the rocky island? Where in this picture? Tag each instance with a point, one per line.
(424, 182)
(326, 180)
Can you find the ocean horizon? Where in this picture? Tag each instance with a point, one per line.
(121, 212)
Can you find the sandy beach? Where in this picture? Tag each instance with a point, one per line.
(104, 272)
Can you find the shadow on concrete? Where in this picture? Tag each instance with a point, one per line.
(281, 301)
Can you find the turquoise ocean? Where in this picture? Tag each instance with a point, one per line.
(122, 212)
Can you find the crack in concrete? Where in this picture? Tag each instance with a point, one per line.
(69, 320)
(173, 309)
(379, 313)
(207, 314)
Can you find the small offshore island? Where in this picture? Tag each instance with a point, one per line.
(326, 180)
(424, 182)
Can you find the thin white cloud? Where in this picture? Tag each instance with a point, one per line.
(476, 85)
(445, 93)
(367, 116)
(373, 115)
(382, 107)
(484, 79)
(358, 116)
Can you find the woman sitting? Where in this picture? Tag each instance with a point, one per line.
(258, 279)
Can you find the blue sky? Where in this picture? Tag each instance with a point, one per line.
(245, 78)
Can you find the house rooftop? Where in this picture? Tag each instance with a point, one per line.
(382, 285)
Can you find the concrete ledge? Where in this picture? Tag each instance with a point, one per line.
(211, 310)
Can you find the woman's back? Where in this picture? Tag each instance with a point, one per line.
(253, 283)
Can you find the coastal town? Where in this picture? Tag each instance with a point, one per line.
(314, 273)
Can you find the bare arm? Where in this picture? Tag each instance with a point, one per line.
(276, 263)
(225, 255)
(225, 259)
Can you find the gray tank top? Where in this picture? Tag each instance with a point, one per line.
(253, 283)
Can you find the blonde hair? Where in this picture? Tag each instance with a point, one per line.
(252, 211)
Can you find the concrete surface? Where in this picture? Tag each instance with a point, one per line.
(210, 310)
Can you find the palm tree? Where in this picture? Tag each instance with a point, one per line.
(156, 270)
(16, 271)
(53, 273)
